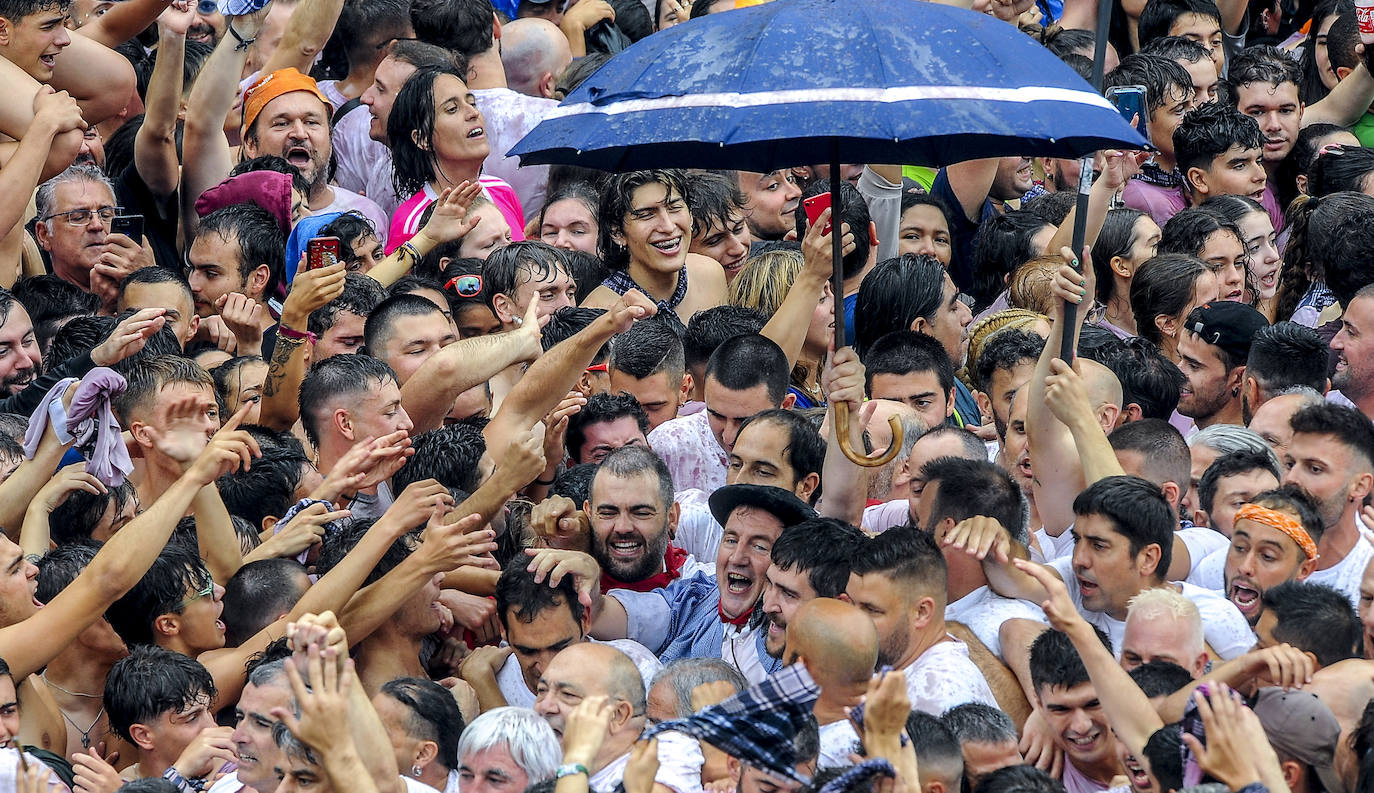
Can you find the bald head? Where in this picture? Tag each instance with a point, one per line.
(534, 53)
(1103, 387)
(836, 641)
(611, 668)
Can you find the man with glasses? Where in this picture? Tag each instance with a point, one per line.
(75, 209)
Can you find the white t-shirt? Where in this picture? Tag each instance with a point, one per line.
(1345, 576)
(697, 530)
(1051, 547)
(512, 681)
(838, 742)
(983, 612)
(364, 165)
(881, 517)
(943, 677)
(1202, 542)
(509, 116)
(1223, 626)
(1210, 573)
(679, 766)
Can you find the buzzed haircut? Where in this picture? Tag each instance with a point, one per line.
(1345, 425)
(1161, 75)
(708, 329)
(1287, 354)
(936, 748)
(904, 352)
(333, 378)
(1208, 131)
(744, 362)
(568, 321)
(1137, 511)
(970, 488)
(1165, 455)
(1055, 663)
(257, 594)
(150, 682)
(908, 557)
(647, 348)
(506, 269)
(361, 295)
(971, 446)
(1233, 464)
(378, 328)
(155, 275)
(601, 409)
(150, 377)
(978, 722)
(1159, 16)
(630, 461)
(1314, 618)
(822, 547)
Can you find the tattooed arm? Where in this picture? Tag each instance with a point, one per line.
(311, 290)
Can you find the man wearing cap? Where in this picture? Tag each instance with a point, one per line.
(1304, 734)
(1212, 352)
(702, 615)
(285, 114)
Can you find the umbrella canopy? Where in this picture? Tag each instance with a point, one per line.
(777, 85)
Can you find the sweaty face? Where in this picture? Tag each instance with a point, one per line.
(1259, 559)
(760, 458)
(1208, 389)
(535, 641)
(75, 248)
(604, 437)
(1076, 721)
(491, 770)
(1354, 348)
(1327, 470)
(36, 40)
(784, 592)
(553, 289)
(571, 225)
(214, 263)
(925, 229)
(391, 74)
(1205, 30)
(742, 558)
(20, 360)
(295, 127)
(1166, 118)
(343, 338)
(257, 754)
(630, 525)
(1278, 111)
(1108, 575)
(919, 390)
(1261, 253)
(657, 228)
(380, 412)
(659, 397)
(889, 606)
(727, 408)
(770, 201)
(727, 243)
(412, 340)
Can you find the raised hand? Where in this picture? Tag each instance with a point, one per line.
(324, 704)
(417, 502)
(560, 523)
(242, 315)
(448, 546)
(1058, 606)
(1065, 393)
(979, 536)
(449, 221)
(69, 479)
(311, 290)
(92, 774)
(551, 564)
(585, 730)
(208, 751)
(129, 336)
(228, 450)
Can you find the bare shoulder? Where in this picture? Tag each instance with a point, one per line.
(600, 297)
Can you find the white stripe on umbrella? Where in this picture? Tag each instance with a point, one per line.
(908, 93)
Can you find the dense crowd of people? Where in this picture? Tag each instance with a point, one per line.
(339, 452)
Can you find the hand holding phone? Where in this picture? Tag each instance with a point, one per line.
(130, 226)
(321, 252)
(814, 206)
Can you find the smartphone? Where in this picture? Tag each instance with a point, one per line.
(130, 226)
(814, 206)
(1130, 102)
(321, 252)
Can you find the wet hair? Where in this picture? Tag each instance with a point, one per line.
(1208, 131)
(1004, 350)
(75, 519)
(978, 722)
(822, 547)
(268, 487)
(708, 329)
(361, 294)
(602, 409)
(433, 715)
(1328, 236)
(744, 362)
(712, 200)
(647, 348)
(905, 352)
(1148, 379)
(1314, 618)
(519, 263)
(805, 447)
(1117, 238)
(335, 377)
(937, 750)
(257, 594)
(259, 238)
(629, 461)
(1178, 48)
(583, 192)
(615, 205)
(1292, 498)
(152, 375)
(1163, 286)
(520, 597)
(1232, 464)
(1161, 75)
(1055, 663)
(377, 330)
(1340, 169)
(463, 26)
(449, 455)
(568, 321)
(413, 112)
(971, 488)
(852, 210)
(894, 294)
(1262, 64)
(150, 682)
(177, 570)
(1137, 511)
(365, 26)
(60, 566)
(1159, 16)
(575, 483)
(1188, 231)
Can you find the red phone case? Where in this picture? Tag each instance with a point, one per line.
(321, 252)
(814, 206)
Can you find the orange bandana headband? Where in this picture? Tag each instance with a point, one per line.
(1281, 522)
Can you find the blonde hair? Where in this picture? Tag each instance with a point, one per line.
(764, 281)
(1162, 601)
(1029, 286)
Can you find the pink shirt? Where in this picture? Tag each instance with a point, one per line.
(1162, 203)
(405, 223)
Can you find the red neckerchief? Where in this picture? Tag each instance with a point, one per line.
(738, 622)
(673, 559)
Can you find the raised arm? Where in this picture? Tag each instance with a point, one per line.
(846, 483)
(1117, 168)
(988, 541)
(101, 80)
(789, 323)
(971, 181)
(155, 148)
(311, 290)
(310, 27)
(1349, 99)
(447, 222)
(122, 21)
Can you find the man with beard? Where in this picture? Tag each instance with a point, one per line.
(1274, 541)
(206, 28)
(703, 615)
(1331, 457)
(285, 114)
(1354, 349)
(1213, 350)
(898, 580)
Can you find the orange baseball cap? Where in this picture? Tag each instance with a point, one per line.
(271, 86)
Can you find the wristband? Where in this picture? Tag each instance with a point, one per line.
(183, 784)
(545, 482)
(570, 769)
(299, 335)
(243, 43)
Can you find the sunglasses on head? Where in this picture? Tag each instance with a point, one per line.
(465, 285)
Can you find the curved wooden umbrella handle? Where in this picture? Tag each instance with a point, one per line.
(858, 457)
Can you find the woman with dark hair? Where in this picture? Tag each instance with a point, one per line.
(1127, 240)
(924, 227)
(1213, 239)
(438, 144)
(1329, 233)
(1341, 169)
(1163, 291)
(568, 219)
(1002, 244)
(1318, 75)
(1261, 247)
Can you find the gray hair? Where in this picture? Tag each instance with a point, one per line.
(1228, 438)
(685, 674)
(1309, 394)
(975, 722)
(529, 739)
(272, 673)
(292, 745)
(45, 197)
(628, 461)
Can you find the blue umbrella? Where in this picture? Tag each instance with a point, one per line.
(781, 84)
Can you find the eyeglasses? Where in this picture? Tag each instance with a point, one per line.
(465, 285)
(204, 593)
(80, 217)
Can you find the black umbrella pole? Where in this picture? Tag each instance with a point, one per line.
(837, 245)
(1080, 223)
